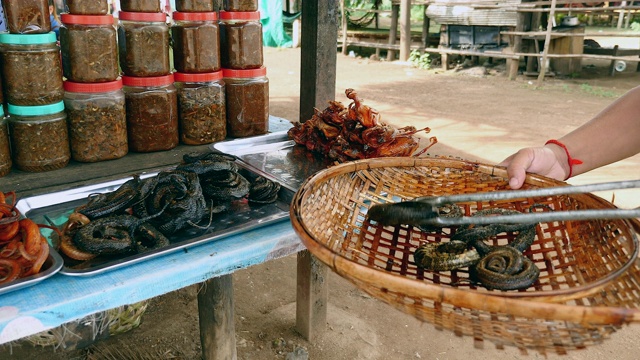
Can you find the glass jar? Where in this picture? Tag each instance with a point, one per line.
(201, 107)
(143, 41)
(5, 149)
(140, 6)
(97, 120)
(196, 5)
(31, 69)
(88, 7)
(247, 98)
(196, 42)
(152, 114)
(27, 16)
(241, 40)
(89, 46)
(240, 5)
(39, 137)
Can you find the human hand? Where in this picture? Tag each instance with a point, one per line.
(539, 160)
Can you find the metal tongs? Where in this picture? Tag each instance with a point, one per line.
(428, 207)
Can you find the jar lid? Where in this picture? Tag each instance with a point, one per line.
(77, 87)
(147, 81)
(239, 15)
(36, 110)
(233, 73)
(86, 19)
(195, 16)
(201, 77)
(28, 39)
(142, 16)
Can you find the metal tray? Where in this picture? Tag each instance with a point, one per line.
(54, 209)
(275, 157)
(52, 265)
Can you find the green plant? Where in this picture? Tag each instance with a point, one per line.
(421, 61)
(597, 91)
(635, 26)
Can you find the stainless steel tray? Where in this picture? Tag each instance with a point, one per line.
(54, 209)
(52, 265)
(275, 157)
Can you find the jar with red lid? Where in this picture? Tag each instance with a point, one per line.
(152, 113)
(197, 5)
(89, 47)
(201, 107)
(31, 69)
(140, 5)
(240, 5)
(196, 42)
(97, 120)
(247, 99)
(39, 137)
(143, 41)
(5, 149)
(241, 40)
(27, 16)
(88, 7)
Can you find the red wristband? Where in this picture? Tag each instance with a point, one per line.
(570, 160)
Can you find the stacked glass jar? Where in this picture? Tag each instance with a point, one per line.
(94, 99)
(247, 87)
(33, 88)
(196, 57)
(151, 97)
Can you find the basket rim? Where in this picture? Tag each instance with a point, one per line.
(514, 304)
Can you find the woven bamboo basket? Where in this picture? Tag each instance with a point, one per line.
(589, 284)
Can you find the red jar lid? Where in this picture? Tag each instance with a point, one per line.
(195, 16)
(147, 81)
(233, 73)
(142, 16)
(108, 86)
(240, 15)
(202, 77)
(86, 19)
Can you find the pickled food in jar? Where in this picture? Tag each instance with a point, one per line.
(27, 16)
(140, 5)
(88, 7)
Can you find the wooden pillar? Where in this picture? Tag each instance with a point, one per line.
(318, 55)
(344, 24)
(217, 326)
(312, 294)
(425, 27)
(405, 29)
(393, 30)
(444, 43)
(547, 43)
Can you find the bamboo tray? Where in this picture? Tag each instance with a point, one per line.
(589, 284)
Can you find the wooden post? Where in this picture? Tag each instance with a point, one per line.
(547, 42)
(393, 30)
(318, 55)
(312, 293)
(405, 29)
(444, 43)
(425, 27)
(217, 326)
(344, 27)
(621, 15)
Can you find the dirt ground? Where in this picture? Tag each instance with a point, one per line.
(483, 117)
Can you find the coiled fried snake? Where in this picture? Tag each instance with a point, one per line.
(501, 267)
(505, 268)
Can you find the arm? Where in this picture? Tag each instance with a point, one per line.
(612, 135)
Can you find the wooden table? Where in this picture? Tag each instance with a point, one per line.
(62, 298)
